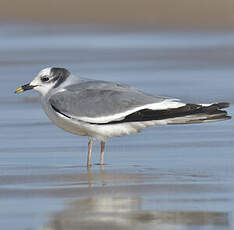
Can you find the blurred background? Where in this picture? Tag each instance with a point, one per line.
(190, 41)
(204, 14)
(175, 177)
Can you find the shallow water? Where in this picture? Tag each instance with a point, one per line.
(174, 177)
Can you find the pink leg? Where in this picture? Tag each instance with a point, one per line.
(90, 146)
(102, 153)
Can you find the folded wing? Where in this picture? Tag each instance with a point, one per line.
(102, 102)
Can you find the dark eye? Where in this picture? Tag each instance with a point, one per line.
(44, 79)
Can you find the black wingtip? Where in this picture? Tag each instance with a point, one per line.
(228, 117)
(222, 105)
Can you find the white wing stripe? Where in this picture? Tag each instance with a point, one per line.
(166, 104)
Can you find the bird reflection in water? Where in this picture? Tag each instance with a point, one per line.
(126, 213)
(113, 211)
(92, 178)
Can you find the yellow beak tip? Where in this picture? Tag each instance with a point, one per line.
(19, 90)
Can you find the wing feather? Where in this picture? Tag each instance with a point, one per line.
(103, 102)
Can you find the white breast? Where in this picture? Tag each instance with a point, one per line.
(71, 126)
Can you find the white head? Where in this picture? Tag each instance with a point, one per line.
(46, 80)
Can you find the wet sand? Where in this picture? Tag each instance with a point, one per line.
(174, 177)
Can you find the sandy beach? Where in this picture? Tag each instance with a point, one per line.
(209, 14)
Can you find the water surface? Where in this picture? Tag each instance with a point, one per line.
(174, 177)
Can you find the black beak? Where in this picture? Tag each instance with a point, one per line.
(24, 88)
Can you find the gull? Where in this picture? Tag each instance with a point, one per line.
(102, 109)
